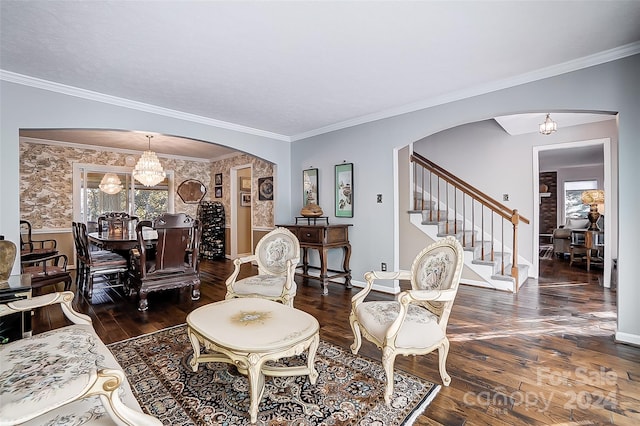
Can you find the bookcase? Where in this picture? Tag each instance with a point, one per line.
(211, 215)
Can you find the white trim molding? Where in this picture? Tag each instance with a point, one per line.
(632, 339)
(51, 86)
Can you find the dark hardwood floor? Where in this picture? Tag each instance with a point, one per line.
(543, 356)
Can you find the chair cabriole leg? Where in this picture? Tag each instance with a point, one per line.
(442, 357)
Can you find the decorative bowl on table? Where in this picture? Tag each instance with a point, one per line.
(311, 210)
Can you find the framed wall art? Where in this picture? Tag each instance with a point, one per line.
(218, 179)
(344, 190)
(310, 186)
(218, 192)
(265, 188)
(245, 183)
(245, 199)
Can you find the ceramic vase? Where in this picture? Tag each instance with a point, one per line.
(7, 257)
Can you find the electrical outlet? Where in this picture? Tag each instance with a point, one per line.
(379, 198)
(383, 267)
(505, 197)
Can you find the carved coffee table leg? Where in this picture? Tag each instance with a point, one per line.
(256, 383)
(195, 344)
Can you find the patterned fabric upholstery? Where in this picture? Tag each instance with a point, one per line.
(419, 328)
(266, 285)
(434, 270)
(277, 255)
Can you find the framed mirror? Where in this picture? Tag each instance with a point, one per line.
(192, 191)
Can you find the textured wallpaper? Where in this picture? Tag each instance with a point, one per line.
(46, 182)
(262, 210)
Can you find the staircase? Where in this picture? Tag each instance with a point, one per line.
(445, 205)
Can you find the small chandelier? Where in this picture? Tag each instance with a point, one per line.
(549, 126)
(110, 184)
(148, 171)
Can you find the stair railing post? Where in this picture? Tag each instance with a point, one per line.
(515, 219)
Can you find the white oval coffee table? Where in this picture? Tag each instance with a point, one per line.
(248, 332)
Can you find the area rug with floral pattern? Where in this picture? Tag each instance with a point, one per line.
(349, 390)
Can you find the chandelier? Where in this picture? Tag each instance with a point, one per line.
(110, 184)
(148, 171)
(549, 126)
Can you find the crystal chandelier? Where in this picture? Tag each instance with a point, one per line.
(110, 184)
(549, 126)
(148, 171)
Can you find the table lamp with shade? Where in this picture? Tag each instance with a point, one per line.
(595, 199)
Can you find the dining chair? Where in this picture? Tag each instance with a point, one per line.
(34, 249)
(175, 263)
(112, 266)
(277, 254)
(46, 271)
(115, 221)
(416, 322)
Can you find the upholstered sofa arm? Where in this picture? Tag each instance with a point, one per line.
(64, 373)
(64, 298)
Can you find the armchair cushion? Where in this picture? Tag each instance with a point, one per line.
(266, 285)
(419, 329)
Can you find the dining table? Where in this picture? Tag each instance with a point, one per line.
(121, 241)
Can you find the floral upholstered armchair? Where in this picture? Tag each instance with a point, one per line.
(277, 255)
(416, 322)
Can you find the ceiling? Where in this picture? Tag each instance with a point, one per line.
(555, 159)
(291, 69)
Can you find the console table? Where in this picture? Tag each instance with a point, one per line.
(323, 238)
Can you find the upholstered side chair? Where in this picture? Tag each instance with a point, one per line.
(277, 254)
(416, 322)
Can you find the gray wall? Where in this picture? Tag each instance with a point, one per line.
(612, 87)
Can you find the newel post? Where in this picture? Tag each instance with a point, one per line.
(515, 219)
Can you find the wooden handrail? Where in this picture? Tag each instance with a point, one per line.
(476, 196)
(467, 188)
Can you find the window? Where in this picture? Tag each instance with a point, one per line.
(574, 208)
(134, 198)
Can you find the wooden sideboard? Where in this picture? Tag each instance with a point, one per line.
(323, 238)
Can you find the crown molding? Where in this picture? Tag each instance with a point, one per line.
(51, 86)
(109, 149)
(540, 74)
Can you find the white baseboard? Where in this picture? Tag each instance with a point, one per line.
(376, 287)
(632, 339)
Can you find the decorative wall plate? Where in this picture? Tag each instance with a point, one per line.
(265, 189)
(192, 191)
